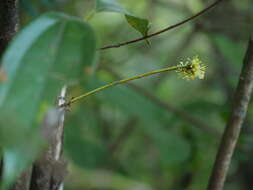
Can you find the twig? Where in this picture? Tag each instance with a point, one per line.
(116, 145)
(171, 109)
(163, 30)
(59, 173)
(60, 128)
(123, 136)
(8, 22)
(50, 170)
(237, 116)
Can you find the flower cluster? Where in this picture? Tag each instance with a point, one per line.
(191, 69)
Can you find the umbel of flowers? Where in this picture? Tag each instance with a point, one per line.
(191, 69)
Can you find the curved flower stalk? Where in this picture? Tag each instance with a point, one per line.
(191, 69)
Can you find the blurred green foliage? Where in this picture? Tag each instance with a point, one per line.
(121, 138)
(37, 67)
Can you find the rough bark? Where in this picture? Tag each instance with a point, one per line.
(49, 171)
(23, 182)
(8, 28)
(8, 22)
(233, 128)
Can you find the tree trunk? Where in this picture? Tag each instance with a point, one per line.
(8, 22)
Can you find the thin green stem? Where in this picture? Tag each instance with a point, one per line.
(73, 100)
(90, 15)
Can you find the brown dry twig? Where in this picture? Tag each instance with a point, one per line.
(127, 130)
(163, 30)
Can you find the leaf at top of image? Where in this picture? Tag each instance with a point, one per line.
(109, 6)
(142, 25)
(47, 54)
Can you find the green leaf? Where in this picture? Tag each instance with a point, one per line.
(140, 24)
(49, 53)
(109, 6)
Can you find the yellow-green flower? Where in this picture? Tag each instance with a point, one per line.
(191, 69)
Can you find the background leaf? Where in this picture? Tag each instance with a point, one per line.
(109, 6)
(81, 144)
(129, 101)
